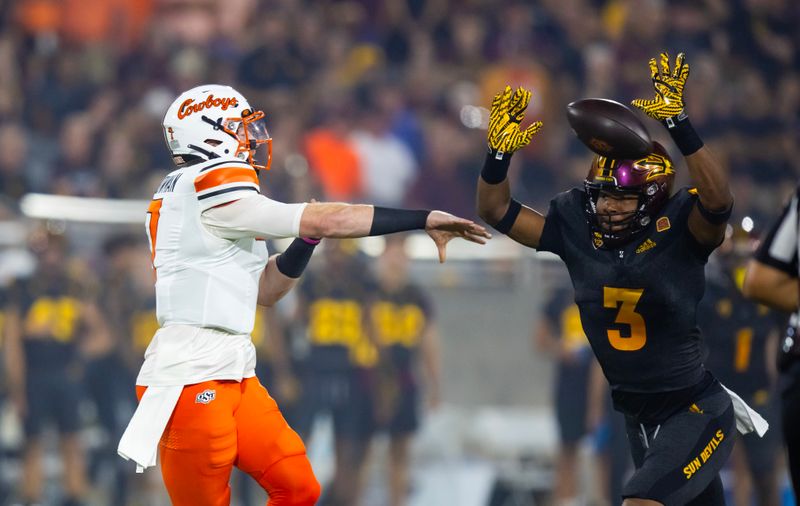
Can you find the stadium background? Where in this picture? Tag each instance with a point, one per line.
(379, 102)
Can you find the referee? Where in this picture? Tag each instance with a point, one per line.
(772, 279)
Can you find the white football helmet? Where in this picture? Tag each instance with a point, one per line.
(211, 121)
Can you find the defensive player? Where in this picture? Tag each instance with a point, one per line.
(635, 254)
(403, 320)
(206, 224)
(739, 333)
(772, 279)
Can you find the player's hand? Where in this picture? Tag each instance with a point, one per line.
(668, 85)
(508, 111)
(443, 227)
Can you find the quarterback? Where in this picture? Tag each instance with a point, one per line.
(636, 253)
(201, 406)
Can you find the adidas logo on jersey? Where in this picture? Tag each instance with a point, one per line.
(646, 245)
(205, 396)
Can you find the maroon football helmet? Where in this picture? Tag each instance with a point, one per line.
(649, 178)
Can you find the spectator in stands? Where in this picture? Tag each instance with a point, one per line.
(560, 334)
(404, 328)
(333, 305)
(49, 316)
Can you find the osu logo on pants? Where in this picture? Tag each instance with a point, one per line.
(205, 396)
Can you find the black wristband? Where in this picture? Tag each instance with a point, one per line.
(495, 167)
(714, 217)
(386, 220)
(293, 261)
(683, 134)
(507, 221)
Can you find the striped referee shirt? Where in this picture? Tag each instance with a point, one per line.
(780, 247)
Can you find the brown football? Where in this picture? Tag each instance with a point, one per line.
(609, 128)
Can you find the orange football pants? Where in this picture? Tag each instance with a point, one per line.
(238, 425)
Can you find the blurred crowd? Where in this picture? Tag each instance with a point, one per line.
(367, 101)
(381, 101)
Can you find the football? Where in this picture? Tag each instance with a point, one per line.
(609, 128)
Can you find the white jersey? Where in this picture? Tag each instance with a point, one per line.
(203, 279)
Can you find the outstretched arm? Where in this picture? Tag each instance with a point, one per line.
(495, 205)
(258, 216)
(709, 217)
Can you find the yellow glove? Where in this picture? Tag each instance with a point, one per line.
(508, 110)
(667, 106)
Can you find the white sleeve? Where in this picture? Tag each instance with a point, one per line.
(254, 216)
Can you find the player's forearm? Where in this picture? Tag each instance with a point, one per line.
(710, 178)
(274, 284)
(283, 271)
(336, 220)
(771, 287)
(493, 200)
(494, 189)
(349, 220)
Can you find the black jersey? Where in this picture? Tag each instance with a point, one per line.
(736, 331)
(50, 308)
(336, 315)
(399, 319)
(637, 303)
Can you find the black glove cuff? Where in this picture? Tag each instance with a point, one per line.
(386, 220)
(293, 261)
(495, 167)
(683, 134)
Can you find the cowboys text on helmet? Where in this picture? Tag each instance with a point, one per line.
(214, 121)
(189, 106)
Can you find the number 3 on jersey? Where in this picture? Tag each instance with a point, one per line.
(151, 225)
(627, 315)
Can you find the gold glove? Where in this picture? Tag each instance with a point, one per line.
(508, 111)
(668, 102)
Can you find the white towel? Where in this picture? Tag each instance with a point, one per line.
(747, 420)
(139, 443)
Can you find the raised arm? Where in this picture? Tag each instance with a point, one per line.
(495, 205)
(709, 217)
